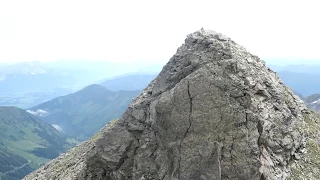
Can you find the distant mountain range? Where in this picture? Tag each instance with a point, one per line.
(36, 76)
(29, 99)
(83, 113)
(26, 142)
(30, 77)
(304, 79)
(304, 83)
(313, 102)
(297, 68)
(128, 82)
(27, 84)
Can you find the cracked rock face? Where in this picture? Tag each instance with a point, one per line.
(214, 112)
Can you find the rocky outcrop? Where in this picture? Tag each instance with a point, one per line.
(214, 112)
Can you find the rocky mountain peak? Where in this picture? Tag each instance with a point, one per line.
(200, 49)
(214, 112)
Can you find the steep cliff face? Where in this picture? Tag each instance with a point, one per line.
(214, 112)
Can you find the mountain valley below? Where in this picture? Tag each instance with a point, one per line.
(26, 143)
(82, 114)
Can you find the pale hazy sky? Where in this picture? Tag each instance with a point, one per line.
(136, 30)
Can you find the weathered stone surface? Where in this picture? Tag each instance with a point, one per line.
(214, 112)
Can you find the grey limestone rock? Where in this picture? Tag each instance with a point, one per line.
(214, 112)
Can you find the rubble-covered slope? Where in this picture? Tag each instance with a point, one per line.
(214, 112)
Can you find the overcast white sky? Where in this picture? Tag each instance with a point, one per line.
(136, 30)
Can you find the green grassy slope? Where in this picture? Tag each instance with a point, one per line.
(82, 114)
(26, 143)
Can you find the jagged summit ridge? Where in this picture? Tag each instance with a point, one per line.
(214, 112)
(199, 49)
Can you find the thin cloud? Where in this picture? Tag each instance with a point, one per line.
(57, 127)
(38, 112)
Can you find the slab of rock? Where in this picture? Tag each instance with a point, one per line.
(214, 112)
